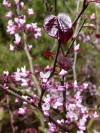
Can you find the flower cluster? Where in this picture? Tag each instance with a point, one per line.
(17, 24)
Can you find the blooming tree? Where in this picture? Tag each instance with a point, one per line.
(57, 101)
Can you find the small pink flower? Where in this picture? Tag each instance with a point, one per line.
(46, 113)
(30, 11)
(38, 34)
(46, 106)
(6, 87)
(25, 82)
(44, 76)
(29, 47)
(76, 48)
(92, 17)
(75, 84)
(7, 3)
(16, 2)
(11, 28)
(12, 48)
(22, 111)
(61, 88)
(9, 14)
(22, 5)
(63, 72)
(16, 100)
(17, 39)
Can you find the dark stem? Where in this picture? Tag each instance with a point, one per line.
(84, 3)
(80, 13)
(59, 46)
(68, 50)
(62, 50)
(16, 95)
(40, 101)
(55, 7)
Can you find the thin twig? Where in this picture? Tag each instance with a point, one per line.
(30, 63)
(69, 48)
(55, 7)
(47, 6)
(29, 56)
(59, 46)
(11, 116)
(79, 15)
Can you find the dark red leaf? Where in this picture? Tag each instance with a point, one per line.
(97, 35)
(59, 27)
(48, 54)
(64, 63)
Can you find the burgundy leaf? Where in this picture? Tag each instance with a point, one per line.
(48, 54)
(64, 63)
(59, 27)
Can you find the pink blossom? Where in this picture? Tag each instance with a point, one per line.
(76, 48)
(44, 76)
(46, 113)
(85, 85)
(61, 122)
(31, 26)
(58, 103)
(48, 68)
(22, 5)
(16, 75)
(5, 73)
(95, 115)
(20, 20)
(52, 128)
(45, 106)
(9, 14)
(11, 28)
(30, 11)
(12, 48)
(61, 88)
(75, 84)
(7, 3)
(22, 111)
(92, 16)
(70, 107)
(29, 47)
(16, 2)
(6, 87)
(81, 123)
(17, 39)
(24, 73)
(38, 34)
(25, 82)
(16, 100)
(63, 72)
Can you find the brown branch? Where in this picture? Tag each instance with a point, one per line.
(68, 50)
